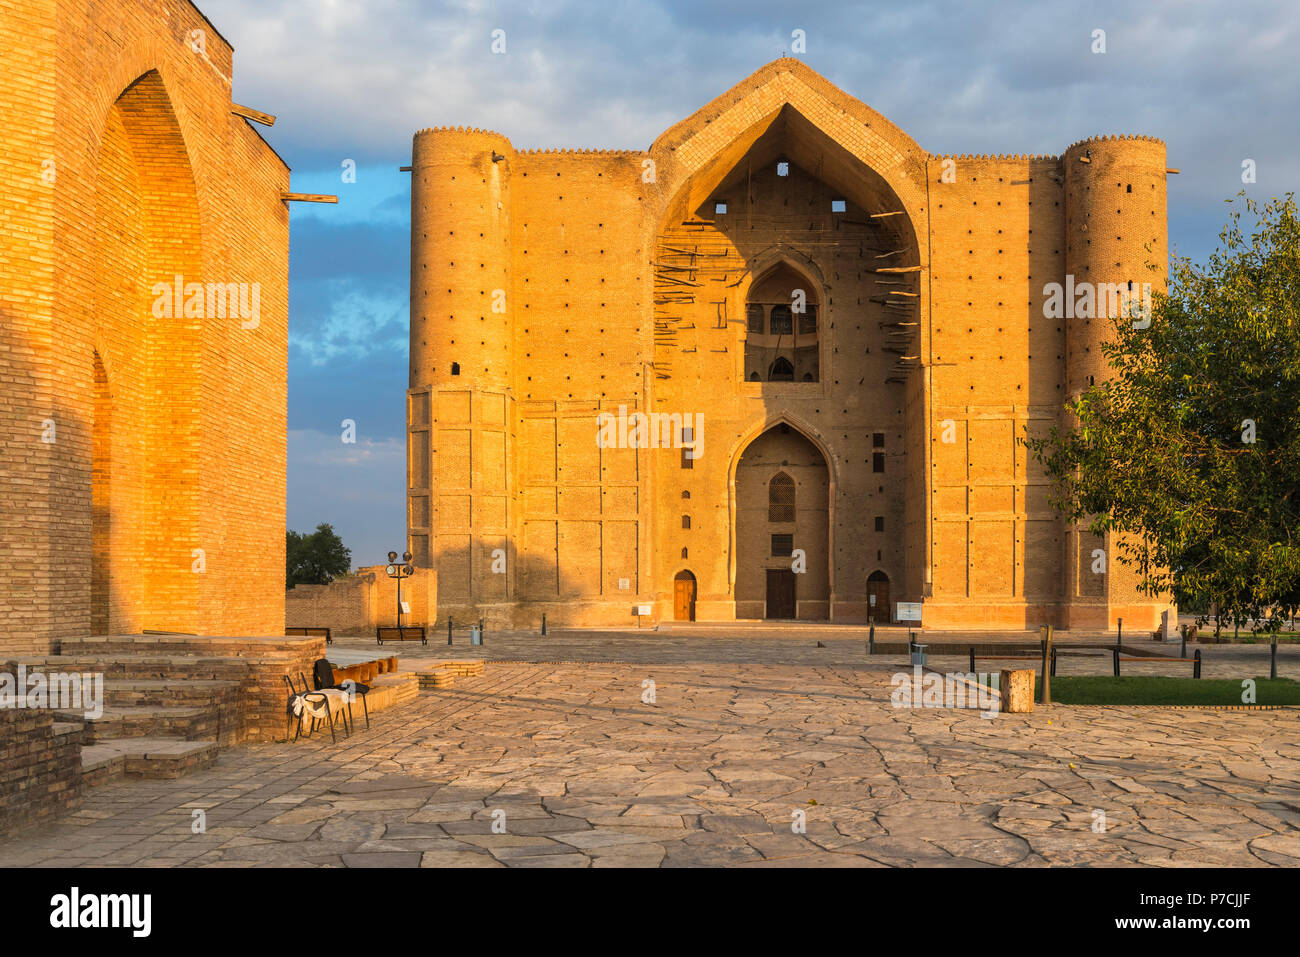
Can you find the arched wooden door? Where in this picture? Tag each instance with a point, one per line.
(878, 597)
(684, 596)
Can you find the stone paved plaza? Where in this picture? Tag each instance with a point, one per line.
(574, 769)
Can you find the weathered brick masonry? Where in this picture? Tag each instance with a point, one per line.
(549, 287)
(40, 768)
(142, 455)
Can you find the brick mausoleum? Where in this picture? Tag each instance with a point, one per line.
(840, 335)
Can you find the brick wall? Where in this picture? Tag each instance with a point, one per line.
(149, 489)
(40, 771)
(355, 604)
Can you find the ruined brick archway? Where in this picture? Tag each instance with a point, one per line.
(146, 423)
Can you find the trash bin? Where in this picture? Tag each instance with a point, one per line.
(475, 635)
(918, 654)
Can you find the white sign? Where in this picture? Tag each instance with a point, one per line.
(406, 608)
(907, 611)
(642, 609)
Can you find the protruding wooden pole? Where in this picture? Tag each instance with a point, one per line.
(248, 113)
(289, 197)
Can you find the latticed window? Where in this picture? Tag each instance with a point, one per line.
(782, 545)
(782, 321)
(808, 321)
(780, 498)
(754, 316)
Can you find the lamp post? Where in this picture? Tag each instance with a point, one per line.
(399, 571)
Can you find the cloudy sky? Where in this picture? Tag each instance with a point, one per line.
(353, 80)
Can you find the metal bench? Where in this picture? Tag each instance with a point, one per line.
(310, 633)
(402, 633)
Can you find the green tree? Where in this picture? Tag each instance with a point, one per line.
(1191, 451)
(315, 558)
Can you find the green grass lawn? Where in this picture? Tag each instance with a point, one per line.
(1141, 689)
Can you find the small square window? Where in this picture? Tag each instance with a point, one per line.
(880, 523)
(720, 209)
(878, 440)
(838, 206)
(782, 545)
(783, 168)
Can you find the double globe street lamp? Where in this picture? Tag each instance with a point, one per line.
(399, 571)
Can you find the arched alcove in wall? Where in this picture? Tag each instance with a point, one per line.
(148, 245)
(782, 527)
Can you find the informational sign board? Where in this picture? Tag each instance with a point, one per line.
(406, 608)
(907, 611)
(642, 609)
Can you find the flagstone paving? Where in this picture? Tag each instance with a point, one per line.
(726, 764)
(815, 644)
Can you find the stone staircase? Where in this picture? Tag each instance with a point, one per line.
(163, 716)
(169, 703)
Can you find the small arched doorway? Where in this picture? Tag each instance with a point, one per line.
(878, 597)
(684, 596)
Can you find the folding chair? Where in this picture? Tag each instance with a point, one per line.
(323, 673)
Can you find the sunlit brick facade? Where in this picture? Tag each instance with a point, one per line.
(551, 287)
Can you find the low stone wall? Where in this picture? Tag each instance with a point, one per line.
(355, 604)
(40, 768)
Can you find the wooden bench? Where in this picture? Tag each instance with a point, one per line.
(404, 633)
(311, 633)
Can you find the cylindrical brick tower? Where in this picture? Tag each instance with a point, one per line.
(459, 449)
(1116, 224)
(460, 259)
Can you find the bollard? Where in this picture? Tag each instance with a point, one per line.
(1046, 696)
(972, 659)
(449, 629)
(1053, 662)
(871, 638)
(1183, 652)
(482, 631)
(543, 624)
(1196, 667)
(1115, 654)
(1272, 662)
(1119, 633)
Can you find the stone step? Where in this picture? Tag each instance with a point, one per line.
(461, 668)
(206, 646)
(152, 757)
(186, 723)
(436, 679)
(166, 692)
(146, 667)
